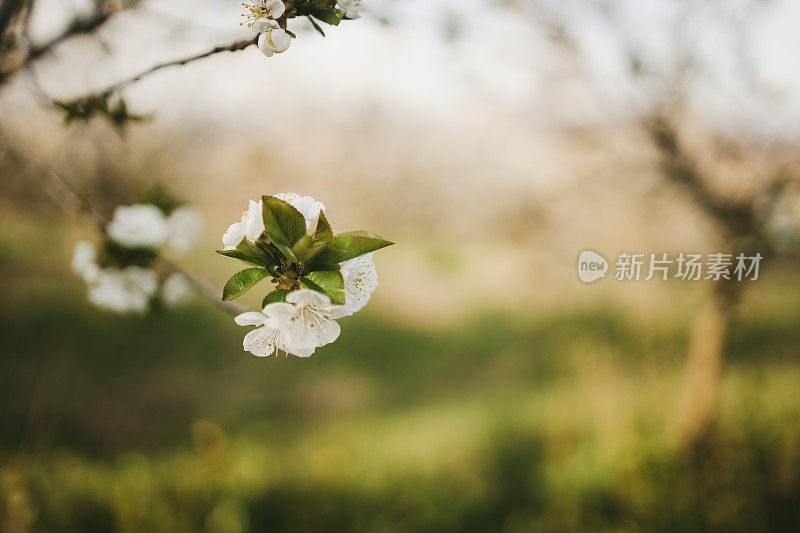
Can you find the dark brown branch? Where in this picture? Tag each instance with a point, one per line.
(8, 11)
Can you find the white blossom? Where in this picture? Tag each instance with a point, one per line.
(176, 290)
(185, 225)
(124, 291)
(308, 206)
(251, 226)
(313, 320)
(274, 331)
(84, 261)
(138, 226)
(297, 326)
(360, 280)
(274, 40)
(258, 10)
(351, 8)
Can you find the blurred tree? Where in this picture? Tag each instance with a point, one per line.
(661, 93)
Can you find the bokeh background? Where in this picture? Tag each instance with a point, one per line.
(484, 388)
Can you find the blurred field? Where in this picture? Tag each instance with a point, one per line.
(502, 421)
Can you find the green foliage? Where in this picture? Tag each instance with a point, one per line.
(276, 296)
(357, 243)
(242, 281)
(160, 196)
(256, 254)
(295, 259)
(328, 282)
(115, 255)
(322, 10)
(284, 225)
(87, 108)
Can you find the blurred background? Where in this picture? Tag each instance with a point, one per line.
(485, 388)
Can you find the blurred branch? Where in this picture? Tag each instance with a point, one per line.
(99, 103)
(8, 11)
(678, 168)
(102, 12)
(66, 196)
(112, 89)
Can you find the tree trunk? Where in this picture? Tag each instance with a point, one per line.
(702, 382)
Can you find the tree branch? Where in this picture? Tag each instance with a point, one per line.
(737, 219)
(111, 89)
(63, 194)
(102, 12)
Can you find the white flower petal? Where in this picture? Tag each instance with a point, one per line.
(259, 342)
(360, 280)
(254, 220)
(280, 314)
(233, 236)
(251, 318)
(279, 40)
(308, 206)
(264, 24)
(307, 297)
(276, 8)
(264, 44)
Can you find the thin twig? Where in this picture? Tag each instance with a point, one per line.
(110, 90)
(64, 194)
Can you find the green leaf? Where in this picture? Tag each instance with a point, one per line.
(304, 249)
(278, 295)
(356, 243)
(250, 253)
(316, 26)
(324, 233)
(284, 224)
(326, 259)
(324, 11)
(242, 281)
(329, 282)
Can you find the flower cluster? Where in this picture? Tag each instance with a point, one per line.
(121, 272)
(268, 18)
(319, 277)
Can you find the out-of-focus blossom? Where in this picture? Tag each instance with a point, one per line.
(176, 290)
(185, 225)
(84, 261)
(124, 291)
(138, 226)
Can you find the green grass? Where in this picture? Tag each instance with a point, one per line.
(163, 424)
(558, 421)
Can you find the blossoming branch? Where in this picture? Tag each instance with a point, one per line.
(318, 277)
(268, 19)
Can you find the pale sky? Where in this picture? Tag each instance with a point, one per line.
(442, 59)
